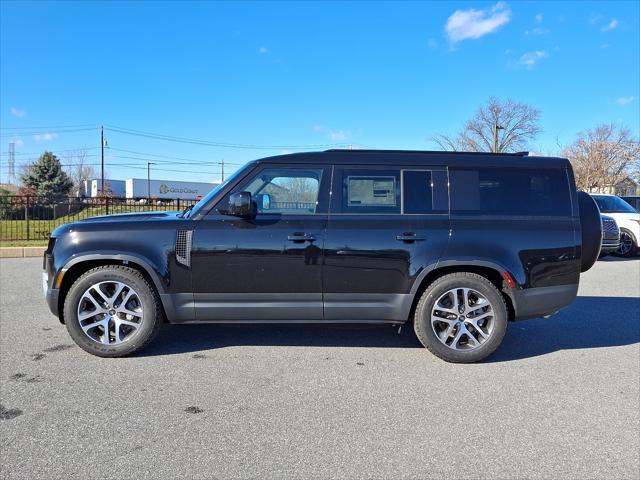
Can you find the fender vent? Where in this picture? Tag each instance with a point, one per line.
(183, 247)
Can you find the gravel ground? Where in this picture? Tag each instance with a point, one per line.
(560, 399)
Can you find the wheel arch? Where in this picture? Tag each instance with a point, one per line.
(491, 271)
(76, 267)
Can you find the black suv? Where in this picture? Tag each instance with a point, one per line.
(455, 243)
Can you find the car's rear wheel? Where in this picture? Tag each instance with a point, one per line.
(628, 246)
(112, 311)
(461, 317)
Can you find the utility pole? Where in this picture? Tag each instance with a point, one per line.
(11, 163)
(222, 164)
(102, 159)
(496, 127)
(149, 181)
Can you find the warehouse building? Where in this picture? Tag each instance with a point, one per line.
(142, 188)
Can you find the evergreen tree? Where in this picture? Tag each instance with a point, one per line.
(47, 177)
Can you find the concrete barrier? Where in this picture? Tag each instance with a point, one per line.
(21, 252)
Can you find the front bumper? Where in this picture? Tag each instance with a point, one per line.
(51, 294)
(609, 246)
(542, 301)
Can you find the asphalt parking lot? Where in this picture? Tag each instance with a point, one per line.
(560, 399)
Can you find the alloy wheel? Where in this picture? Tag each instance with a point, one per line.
(626, 244)
(462, 319)
(110, 312)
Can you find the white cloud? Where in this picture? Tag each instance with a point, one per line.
(318, 128)
(613, 24)
(17, 142)
(539, 18)
(18, 113)
(431, 43)
(45, 136)
(473, 24)
(537, 31)
(625, 100)
(339, 135)
(529, 59)
(263, 50)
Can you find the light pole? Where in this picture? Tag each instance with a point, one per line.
(149, 181)
(496, 127)
(102, 159)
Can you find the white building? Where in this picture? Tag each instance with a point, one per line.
(140, 188)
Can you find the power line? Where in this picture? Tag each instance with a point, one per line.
(50, 127)
(154, 155)
(158, 136)
(127, 165)
(44, 132)
(73, 150)
(176, 163)
(171, 138)
(144, 158)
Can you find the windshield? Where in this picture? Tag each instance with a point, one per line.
(202, 203)
(612, 204)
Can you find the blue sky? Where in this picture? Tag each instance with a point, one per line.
(293, 76)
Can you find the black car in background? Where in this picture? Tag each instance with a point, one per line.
(457, 244)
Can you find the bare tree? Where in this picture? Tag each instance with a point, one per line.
(79, 170)
(496, 127)
(603, 156)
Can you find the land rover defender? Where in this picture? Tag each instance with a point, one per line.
(456, 244)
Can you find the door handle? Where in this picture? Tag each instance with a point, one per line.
(301, 237)
(410, 237)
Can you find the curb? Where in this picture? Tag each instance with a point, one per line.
(21, 252)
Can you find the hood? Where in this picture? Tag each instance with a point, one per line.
(130, 217)
(117, 218)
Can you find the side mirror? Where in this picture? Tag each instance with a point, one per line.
(241, 205)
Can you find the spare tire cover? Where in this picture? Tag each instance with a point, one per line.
(591, 226)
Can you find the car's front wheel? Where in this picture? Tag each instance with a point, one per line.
(461, 317)
(628, 245)
(112, 311)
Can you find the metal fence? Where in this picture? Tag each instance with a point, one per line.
(33, 218)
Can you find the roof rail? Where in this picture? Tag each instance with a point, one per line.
(438, 152)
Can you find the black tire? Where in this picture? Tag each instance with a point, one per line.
(422, 317)
(621, 252)
(591, 228)
(152, 316)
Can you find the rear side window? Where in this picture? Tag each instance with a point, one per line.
(424, 191)
(392, 191)
(517, 191)
(370, 191)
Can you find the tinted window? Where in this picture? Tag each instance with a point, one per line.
(498, 191)
(370, 191)
(417, 189)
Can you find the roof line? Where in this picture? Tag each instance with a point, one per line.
(438, 152)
